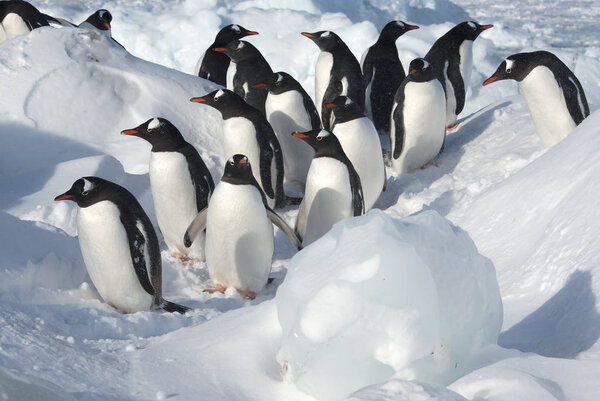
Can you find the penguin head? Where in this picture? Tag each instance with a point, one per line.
(100, 19)
(324, 142)
(344, 109)
(160, 132)
(232, 32)
(278, 83)
(470, 30)
(517, 66)
(394, 29)
(237, 50)
(86, 191)
(238, 170)
(220, 99)
(326, 40)
(420, 70)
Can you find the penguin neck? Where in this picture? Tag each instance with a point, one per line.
(346, 114)
(168, 143)
(387, 40)
(239, 109)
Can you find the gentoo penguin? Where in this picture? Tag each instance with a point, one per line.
(180, 182)
(100, 20)
(239, 234)
(418, 118)
(383, 73)
(246, 131)
(337, 73)
(119, 246)
(289, 109)
(553, 93)
(248, 66)
(451, 57)
(361, 144)
(213, 65)
(19, 17)
(333, 189)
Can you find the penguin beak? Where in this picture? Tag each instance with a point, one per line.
(484, 27)
(129, 132)
(107, 25)
(330, 105)
(299, 135)
(490, 80)
(64, 196)
(411, 27)
(260, 85)
(221, 49)
(242, 161)
(412, 72)
(198, 100)
(308, 35)
(251, 33)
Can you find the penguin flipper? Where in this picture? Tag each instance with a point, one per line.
(283, 226)
(137, 249)
(204, 185)
(333, 90)
(266, 157)
(574, 98)
(172, 307)
(197, 225)
(278, 154)
(456, 80)
(358, 203)
(398, 117)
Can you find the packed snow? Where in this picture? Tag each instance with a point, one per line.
(495, 205)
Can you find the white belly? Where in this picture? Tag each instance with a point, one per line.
(322, 77)
(327, 198)
(547, 105)
(174, 200)
(231, 70)
(360, 142)
(286, 114)
(105, 250)
(450, 99)
(239, 238)
(466, 62)
(424, 125)
(14, 25)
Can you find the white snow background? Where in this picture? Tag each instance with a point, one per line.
(531, 213)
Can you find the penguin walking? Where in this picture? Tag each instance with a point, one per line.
(19, 17)
(213, 65)
(383, 73)
(180, 182)
(333, 188)
(361, 144)
(248, 66)
(337, 73)
(451, 57)
(246, 131)
(119, 246)
(239, 231)
(554, 96)
(289, 109)
(418, 118)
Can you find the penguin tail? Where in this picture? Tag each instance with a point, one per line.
(172, 307)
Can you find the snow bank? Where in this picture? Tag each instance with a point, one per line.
(16, 387)
(402, 390)
(375, 297)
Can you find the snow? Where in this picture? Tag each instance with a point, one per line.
(66, 94)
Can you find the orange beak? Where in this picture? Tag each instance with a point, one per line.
(299, 135)
(330, 105)
(243, 161)
(198, 100)
(107, 25)
(63, 197)
(308, 35)
(260, 85)
(251, 33)
(411, 27)
(129, 132)
(484, 27)
(221, 49)
(412, 71)
(490, 80)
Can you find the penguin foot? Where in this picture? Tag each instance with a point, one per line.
(250, 295)
(452, 127)
(218, 288)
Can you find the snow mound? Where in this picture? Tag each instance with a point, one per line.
(19, 387)
(377, 297)
(402, 390)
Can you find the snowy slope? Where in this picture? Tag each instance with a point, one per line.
(65, 96)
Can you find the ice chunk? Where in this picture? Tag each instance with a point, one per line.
(378, 297)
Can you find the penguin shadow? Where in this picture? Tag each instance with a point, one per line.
(470, 128)
(564, 326)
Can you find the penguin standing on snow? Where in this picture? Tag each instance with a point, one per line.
(246, 131)
(451, 57)
(360, 142)
(333, 189)
(553, 93)
(239, 231)
(119, 246)
(247, 67)
(418, 118)
(289, 109)
(337, 73)
(19, 17)
(213, 65)
(180, 182)
(383, 73)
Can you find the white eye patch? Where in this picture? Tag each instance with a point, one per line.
(323, 134)
(279, 77)
(325, 34)
(509, 64)
(236, 28)
(219, 93)
(471, 24)
(155, 123)
(240, 45)
(87, 185)
(400, 24)
(348, 101)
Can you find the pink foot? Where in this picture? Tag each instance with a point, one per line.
(452, 127)
(186, 260)
(218, 288)
(250, 295)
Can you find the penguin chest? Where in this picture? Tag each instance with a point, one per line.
(327, 197)
(360, 142)
(322, 77)
(423, 115)
(105, 249)
(239, 137)
(14, 25)
(239, 238)
(547, 105)
(174, 197)
(465, 52)
(231, 71)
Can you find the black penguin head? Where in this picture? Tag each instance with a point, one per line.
(345, 109)
(394, 29)
(220, 99)
(518, 66)
(159, 132)
(420, 70)
(326, 40)
(100, 19)
(232, 32)
(278, 83)
(470, 30)
(238, 50)
(324, 142)
(238, 170)
(87, 190)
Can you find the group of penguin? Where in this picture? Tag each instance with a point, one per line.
(273, 131)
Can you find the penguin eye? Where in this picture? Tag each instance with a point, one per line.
(232, 163)
(508, 70)
(319, 138)
(85, 193)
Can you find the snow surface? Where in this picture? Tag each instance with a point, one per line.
(66, 94)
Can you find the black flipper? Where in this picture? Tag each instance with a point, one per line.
(137, 249)
(172, 307)
(574, 97)
(266, 157)
(283, 226)
(398, 116)
(358, 203)
(197, 225)
(203, 183)
(458, 85)
(333, 90)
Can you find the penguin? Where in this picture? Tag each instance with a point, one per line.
(213, 65)
(119, 246)
(100, 20)
(451, 56)
(239, 231)
(554, 96)
(337, 73)
(289, 109)
(180, 182)
(383, 73)
(247, 131)
(418, 118)
(333, 188)
(20, 17)
(360, 141)
(247, 67)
